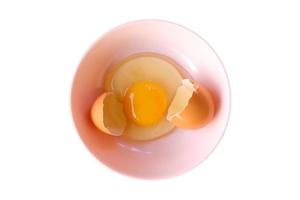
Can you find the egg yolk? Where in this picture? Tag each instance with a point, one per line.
(145, 103)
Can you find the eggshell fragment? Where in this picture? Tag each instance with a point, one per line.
(181, 99)
(107, 114)
(192, 106)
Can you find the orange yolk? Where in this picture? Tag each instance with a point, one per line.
(145, 103)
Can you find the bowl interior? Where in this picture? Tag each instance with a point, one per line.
(176, 152)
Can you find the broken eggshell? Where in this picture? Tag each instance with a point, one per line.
(192, 107)
(107, 114)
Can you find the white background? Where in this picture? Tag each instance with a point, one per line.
(42, 156)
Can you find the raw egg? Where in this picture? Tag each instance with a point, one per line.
(145, 84)
(147, 96)
(145, 103)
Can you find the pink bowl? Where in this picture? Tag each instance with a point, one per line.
(176, 152)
